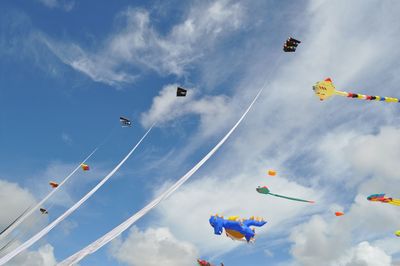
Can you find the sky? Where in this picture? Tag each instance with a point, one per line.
(70, 68)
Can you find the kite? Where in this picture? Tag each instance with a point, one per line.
(205, 263)
(339, 213)
(383, 199)
(265, 190)
(125, 122)
(43, 211)
(181, 92)
(325, 89)
(397, 233)
(116, 231)
(85, 167)
(235, 228)
(272, 172)
(53, 184)
(290, 45)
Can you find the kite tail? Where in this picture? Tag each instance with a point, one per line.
(367, 97)
(97, 244)
(395, 202)
(290, 198)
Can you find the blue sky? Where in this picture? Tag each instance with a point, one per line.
(70, 68)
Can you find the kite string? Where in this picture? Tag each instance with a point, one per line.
(48, 228)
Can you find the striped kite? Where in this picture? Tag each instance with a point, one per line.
(325, 89)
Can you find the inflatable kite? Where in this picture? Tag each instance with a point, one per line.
(290, 45)
(383, 199)
(53, 184)
(325, 89)
(85, 167)
(181, 92)
(235, 228)
(125, 122)
(339, 213)
(265, 190)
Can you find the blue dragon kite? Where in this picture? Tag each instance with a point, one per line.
(235, 228)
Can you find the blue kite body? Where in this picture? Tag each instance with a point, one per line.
(235, 228)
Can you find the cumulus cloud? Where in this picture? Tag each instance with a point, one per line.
(15, 200)
(137, 43)
(166, 107)
(43, 257)
(364, 255)
(149, 247)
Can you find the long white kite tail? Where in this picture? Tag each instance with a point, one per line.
(48, 228)
(19, 220)
(96, 245)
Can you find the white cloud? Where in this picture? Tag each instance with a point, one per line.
(13, 200)
(152, 246)
(364, 255)
(43, 257)
(137, 43)
(166, 108)
(67, 5)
